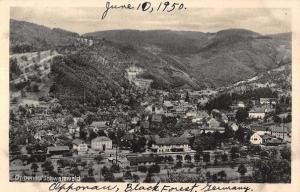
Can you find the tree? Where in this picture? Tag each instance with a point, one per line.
(34, 167)
(48, 166)
(241, 115)
(224, 157)
(56, 108)
(142, 169)
(136, 178)
(286, 153)
(149, 178)
(188, 158)
(187, 97)
(272, 171)
(242, 169)
(240, 134)
(204, 142)
(127, 174)
(179, 158)
(98, 158)
(197, 157)
(34, 87)
(91, 171)
(222, 175)
(109, 176)
(234, 152)
(115, 168)
(154, 169)
(75, 171)
(92, 135)
(69, 119)
(89, 117)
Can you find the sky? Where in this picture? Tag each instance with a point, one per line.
(88, 19)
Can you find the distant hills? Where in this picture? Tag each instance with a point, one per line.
(210, 59)
(26, 37)
(170, 58)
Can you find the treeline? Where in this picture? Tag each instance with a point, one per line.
(225, 100)
(79, 80)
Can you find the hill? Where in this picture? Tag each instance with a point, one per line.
(28, 37)
(173, 59)
(210, 59)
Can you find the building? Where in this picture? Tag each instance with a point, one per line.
(171, 144)
(283, 132)
(267, 101)
(58, 150)
(145, 160)
(101, 143)
(212, 129)
(256, 139)
(233, 126)
(100, 125)
(142, 83)
(79, 145)
(212, 122)
(261, 130)
(174, 148)
(257, 113)
(132, 72)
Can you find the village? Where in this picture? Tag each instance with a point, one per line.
(180, 135)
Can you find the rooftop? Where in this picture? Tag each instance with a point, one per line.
(102, 138)
(172, 141)
(58, 148)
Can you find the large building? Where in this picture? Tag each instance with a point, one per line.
(101, 143)
(283, 132)
(171, 144)
(174, 147)
(257, 113)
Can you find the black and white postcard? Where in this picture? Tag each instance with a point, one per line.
(149, 96)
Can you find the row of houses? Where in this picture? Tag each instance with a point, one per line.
(271, 135)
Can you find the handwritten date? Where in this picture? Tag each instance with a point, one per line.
(146, 6)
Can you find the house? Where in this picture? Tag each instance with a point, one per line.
(58, 150)
(156, 118)
(99, 125)
(241, 104)
(212, 122)
(145, 124)
(224, 118)
(213, 129)
(73, 129)
(272, 141)
(171, 144)
(261, 130)
(145, 160)
(168, 105)
(79, 145)
(256, 139)
(101, 143)
(267, 101)
(154, 108)
(283, 132)
(257, 113)
(233, 126)
(142, 83)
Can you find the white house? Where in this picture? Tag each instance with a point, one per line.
(234, 126)
(101, 143)
(256, 139)
(79, 145)
(257, 113)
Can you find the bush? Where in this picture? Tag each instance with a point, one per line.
(154, 169)
(142, 169)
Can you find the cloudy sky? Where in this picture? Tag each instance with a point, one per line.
(82, 20)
